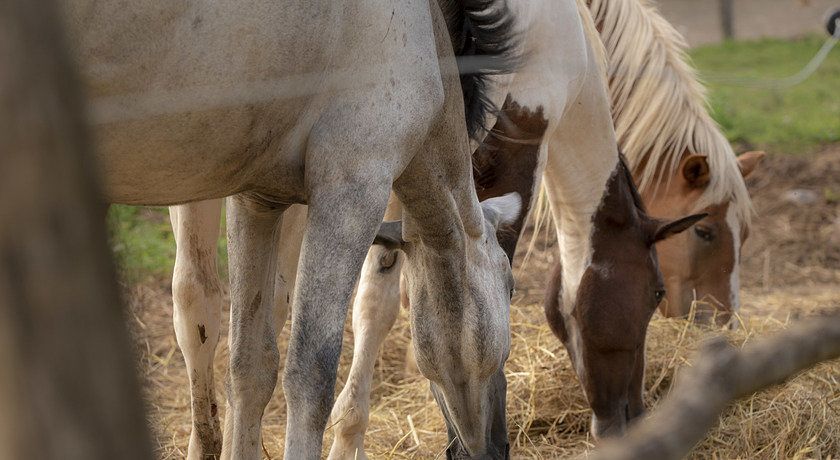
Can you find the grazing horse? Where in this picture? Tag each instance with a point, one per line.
(656, 124)
(323, 104)
(555, 121)
(680, 160)
(584, 167)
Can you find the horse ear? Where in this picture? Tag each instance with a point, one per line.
(502, 210)
(390, 235)
(664, 229)
(747, 162)
(695, 170)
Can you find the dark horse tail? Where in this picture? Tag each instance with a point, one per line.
(485, 43)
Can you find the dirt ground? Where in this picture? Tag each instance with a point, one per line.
(795, 243)
(791, 264)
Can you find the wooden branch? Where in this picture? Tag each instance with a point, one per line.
(722, 374)
(68, 387)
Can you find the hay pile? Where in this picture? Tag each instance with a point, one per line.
(547, 415)
(790, 268)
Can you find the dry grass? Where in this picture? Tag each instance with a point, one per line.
(791, 265)
(547, 415)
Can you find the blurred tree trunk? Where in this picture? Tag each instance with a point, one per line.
(68, 387)
(727, 19)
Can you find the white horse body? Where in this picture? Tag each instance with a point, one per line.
(579, 149)
(297, 102)
(200, 100)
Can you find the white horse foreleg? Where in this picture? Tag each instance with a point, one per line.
(340, 228)
(375, 309)
(197, 300)
(252, 238)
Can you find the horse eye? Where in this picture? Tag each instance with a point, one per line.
(704, 233)
(660, 294)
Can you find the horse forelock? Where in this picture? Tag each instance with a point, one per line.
(660, 108)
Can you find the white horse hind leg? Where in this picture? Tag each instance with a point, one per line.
(197, 299)
(374, 312)
(288, 252)
(252, 239)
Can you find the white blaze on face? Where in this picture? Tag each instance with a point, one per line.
(734, 277)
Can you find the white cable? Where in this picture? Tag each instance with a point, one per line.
(786, 82)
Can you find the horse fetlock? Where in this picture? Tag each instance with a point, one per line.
(205, 410)
(205, 440)
(350, 420)
(350, 415)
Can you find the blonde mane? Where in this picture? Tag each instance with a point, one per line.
(660, 108)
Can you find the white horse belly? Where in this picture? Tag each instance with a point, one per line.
(195, 99)
(190, 99)
(177, 158)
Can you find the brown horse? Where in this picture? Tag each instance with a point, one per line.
(606, 339)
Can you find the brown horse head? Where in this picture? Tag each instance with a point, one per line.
(701, 264)
(604, 331)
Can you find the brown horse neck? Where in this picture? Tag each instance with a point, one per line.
(622, 205)
(508, 159)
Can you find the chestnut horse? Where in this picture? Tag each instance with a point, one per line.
(680, 159)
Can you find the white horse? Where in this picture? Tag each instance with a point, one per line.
(559, 90)
(318, 103)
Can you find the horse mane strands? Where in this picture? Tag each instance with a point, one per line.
(660, 109)
(484, 38)
(540, 218)
(593, 38)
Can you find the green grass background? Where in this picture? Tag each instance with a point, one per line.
(143, 244)
(789, 121)
(781, 121)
